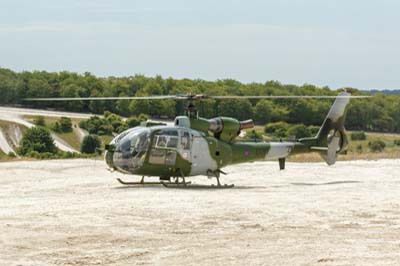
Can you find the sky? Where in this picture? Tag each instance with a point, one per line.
(333, 43)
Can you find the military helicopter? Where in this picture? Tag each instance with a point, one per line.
(195, 146)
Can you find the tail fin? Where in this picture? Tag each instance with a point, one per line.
(331, 138)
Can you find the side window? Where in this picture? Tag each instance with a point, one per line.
(172, 142)
(185, 140)
(161, 141)
(166, 139)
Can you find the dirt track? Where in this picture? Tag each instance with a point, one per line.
(73, 212)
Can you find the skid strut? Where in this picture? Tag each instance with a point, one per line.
(217, 173)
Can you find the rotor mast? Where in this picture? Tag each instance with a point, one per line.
(191, 110)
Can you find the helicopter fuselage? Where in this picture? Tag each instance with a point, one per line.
(179, 150)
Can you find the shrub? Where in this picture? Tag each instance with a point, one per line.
(46, 155)
(396, 142)
(90, 143)
(105, 130)
(132, 122)
(358, 136)
(122, 128)
(68, 155)
(39, 121)
(36, 139)
(277, 129)
(11, 155)
(97, 125)
(65, 124)
(33, 154)
(376, 145)
(359, 148)
(56, 127)
(143, 117)
(114, 120)
(298, 131)
(254, 135)
(313, 130)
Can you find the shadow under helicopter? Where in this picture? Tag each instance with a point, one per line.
(327, 183)
(235, 187)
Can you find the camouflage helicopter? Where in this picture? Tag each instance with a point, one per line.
(195, 146)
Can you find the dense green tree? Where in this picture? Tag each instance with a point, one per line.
(380, 113)
(90, 144)
(239, 108)
(266, 111)
(72, 91)
(36, 139)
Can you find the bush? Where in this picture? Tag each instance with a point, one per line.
(376, 145)
(38, 140)
(90, 143)
(132, 122)
(11, 155)
(33, 154)
(65, 124)
(396, 142)
(277, 129)
(283, 129)
(358, 136)
(97, 125)
(68, 155)
(313, 130)
(39, 121)
(56, 127)
(254, 135)
(122, 128)
(143, 117)
(359, 148)
(105, 130)
(299, 131)
(114, 120)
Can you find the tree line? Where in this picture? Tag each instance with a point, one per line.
(380, 113)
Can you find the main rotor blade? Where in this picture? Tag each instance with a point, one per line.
(156, 97)
(288, 97)
(195, 97)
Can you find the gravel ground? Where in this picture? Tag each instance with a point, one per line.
(73, 212)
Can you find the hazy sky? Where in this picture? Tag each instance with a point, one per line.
(324, 42)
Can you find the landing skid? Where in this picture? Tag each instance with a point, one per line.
(180, 182)
(199, 186)
(177, 185)
(137, 183)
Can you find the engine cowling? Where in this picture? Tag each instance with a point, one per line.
(227, 128)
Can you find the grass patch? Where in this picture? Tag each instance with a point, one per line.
(72, 138)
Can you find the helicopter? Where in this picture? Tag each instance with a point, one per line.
(195, 146)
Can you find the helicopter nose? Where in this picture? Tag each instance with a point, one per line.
(108, 156)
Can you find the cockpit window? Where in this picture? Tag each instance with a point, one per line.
(131, 149)
(119, 137)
